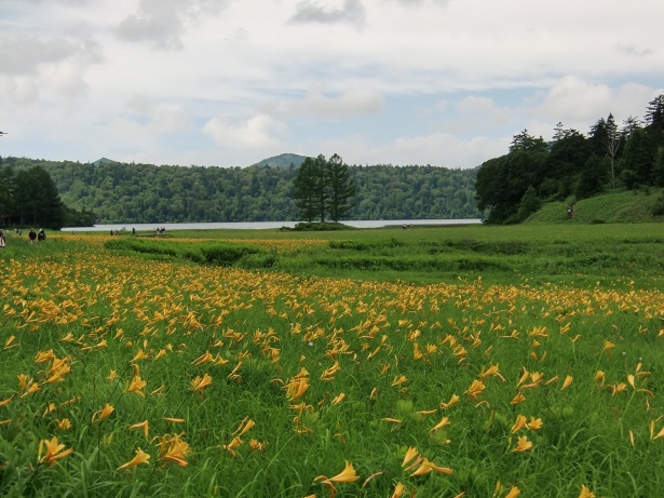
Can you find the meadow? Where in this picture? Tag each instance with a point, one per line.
(429, 362)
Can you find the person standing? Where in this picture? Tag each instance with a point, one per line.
(32, 235)
(2, 239)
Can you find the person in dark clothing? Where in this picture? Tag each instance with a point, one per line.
(32, 235)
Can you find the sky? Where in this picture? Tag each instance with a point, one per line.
(232, 82)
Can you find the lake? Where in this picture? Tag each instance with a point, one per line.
(262, 225)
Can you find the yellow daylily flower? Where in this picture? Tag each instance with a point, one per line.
(454, 399)
(174, 420)
(139, 458)
(235, 443)
(534, 424)
(523, 444)
(520, 423)
(475, 389)
(199, 383)
(173, 449)
(53, 451)
(64, 424)
(427, 466)
(245, 426)
(142, 425)
(136, 385)
(445, 421)
(100, 415)
(519, 398)
(338, 399)
(410, 454)
(513, 492)
(399, 490)
(346, 475)
(586, 493)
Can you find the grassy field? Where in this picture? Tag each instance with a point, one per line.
(461, 361)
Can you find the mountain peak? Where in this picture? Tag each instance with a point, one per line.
(286, 160)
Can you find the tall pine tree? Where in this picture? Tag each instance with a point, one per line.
(322, 189)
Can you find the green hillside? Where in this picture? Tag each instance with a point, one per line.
(630, 206)
(147, 193)
(282, 161)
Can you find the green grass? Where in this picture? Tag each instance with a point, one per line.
(569, 253)
(401, 303)
(634, 206)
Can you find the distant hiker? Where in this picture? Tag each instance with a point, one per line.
(32, 235)
(133, 231)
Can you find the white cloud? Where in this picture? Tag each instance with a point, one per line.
(161, 118)
(163, 22)
(352, 12)
(25, 54)
(260, 132)
(577, 102)
(398, 81)
(353, 102)
(482, 110)
(437, 149)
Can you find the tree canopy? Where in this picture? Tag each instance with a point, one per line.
(147, 193)
(30, 197)
(573, 166)
(323, 189)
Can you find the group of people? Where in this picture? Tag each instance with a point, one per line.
(32, 236)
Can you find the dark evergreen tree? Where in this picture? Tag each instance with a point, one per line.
(321, 190)
(341, 188)
(637, 163)
(529, 204)
(36, 199)
(7, 188)
(655, 113)
(593, 177)
(658, 167)
(567, 154)
(305, 187)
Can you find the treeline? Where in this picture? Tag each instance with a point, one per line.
(29, 197)
(573, 166)
(146, 193)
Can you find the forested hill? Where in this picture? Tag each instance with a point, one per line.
(146, 193)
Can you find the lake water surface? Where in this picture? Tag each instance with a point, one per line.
(259, 225)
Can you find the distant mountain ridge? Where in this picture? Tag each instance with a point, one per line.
(146, 193)
(286, 160)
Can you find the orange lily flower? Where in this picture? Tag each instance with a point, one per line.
(201, 382)
(453, 401)
(523, 444)
(53, 451)
(445, 421)
(105, 412)
(520, 423)
(139, 458)
(136, 386)
(513, 492)
(586, 493)
(142, 425)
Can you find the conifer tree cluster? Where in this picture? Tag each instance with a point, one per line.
(322, 189)
(29, 197)
(573, 166)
